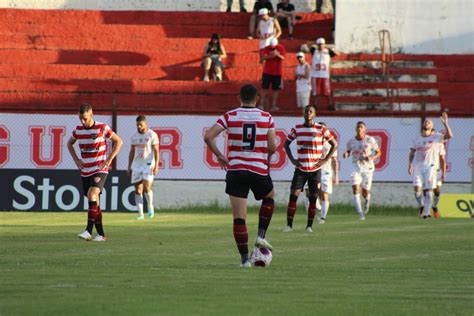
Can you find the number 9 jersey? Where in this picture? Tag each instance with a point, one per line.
(247, 147)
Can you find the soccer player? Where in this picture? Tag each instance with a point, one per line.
(310, 138)
(329, 176)
(94, 164)
(422, 164)
(143, 161)
(251, 142)
(440, 178)
(364, 150)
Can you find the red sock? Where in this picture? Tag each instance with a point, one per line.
(98, 222)
(311, 214)
(290, 212)
(265, 216)
(241, 237)
(91, 216)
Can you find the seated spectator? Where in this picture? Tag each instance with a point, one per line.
(267, 29)
(241, 3)
(213, 54)
(285, 14)
(260, 4)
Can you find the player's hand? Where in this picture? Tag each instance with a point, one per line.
(443, 177)
(296, 163)
(129, 172)
(444, 118)
(321, 163)
(223, 162)
(155, 170)
(335, 180)
(345, 155)
(79, 163)
(105, 165)
(410, 169)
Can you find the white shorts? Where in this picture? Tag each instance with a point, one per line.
(142, 174)
(302, 98)
(326, 181)
(362, 178)
(425, 178)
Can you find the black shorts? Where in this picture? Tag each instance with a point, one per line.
(283, 22)
(239, 182)
(96, 180)
(275, 81)
(301, 177)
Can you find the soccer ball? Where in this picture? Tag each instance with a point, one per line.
(261, 257)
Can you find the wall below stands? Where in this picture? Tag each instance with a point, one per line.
(415, 26)
(158, 5)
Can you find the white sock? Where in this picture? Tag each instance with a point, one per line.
(318, 204)
(149, 201)
(139, 203)
(357, 204)
(436, 199)
(419, 198)
(324, 208)
(428, 197)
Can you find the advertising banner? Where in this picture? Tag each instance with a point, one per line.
(34, 141)
(61, 190)
(456, 205)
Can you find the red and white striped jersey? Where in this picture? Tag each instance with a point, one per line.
(247, 139)
(93, 146)
(309, 142)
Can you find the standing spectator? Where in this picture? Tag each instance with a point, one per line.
(250, 143)
(285, 14)
(213, 54)
(260, 4)
(303, 81)
(267, 28)
(308, 163)
(422, 162)
(272, 56)
(94, 163)
(320, 73)
(325, 6)
(364, 150)
(241, 3)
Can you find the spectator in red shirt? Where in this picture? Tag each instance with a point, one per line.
(272, 56)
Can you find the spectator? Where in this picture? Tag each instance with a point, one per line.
(325, 6)
(285, 14)
(267, 29)
(213, 54)
(320, 74)
(260, 4)
(273, 56)
(303, 81)
(241, 3)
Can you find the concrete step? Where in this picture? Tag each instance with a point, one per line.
(383, 92)
(377, 64)
(381, 78)
(398, 107)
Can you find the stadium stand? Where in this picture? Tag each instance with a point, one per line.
(52, 60)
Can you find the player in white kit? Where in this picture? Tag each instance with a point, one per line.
(422, 163)
(143, 162)
(364, 150)
(329, 176)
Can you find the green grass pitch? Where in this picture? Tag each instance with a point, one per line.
(186, 263)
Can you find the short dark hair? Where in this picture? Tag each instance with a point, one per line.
(311, 106)
(360, 123)
(141, 118)
(85, 107)
(322, 123)
(248, 93)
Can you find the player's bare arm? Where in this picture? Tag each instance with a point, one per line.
(444, 120)
(156, 152)
(346, 154)
(410, 161)
(117, 144)
(294, 161)
(271, 143)
(335, 170)
(442, 166)
(72, 152)
(376, 155)
(333, 144)
(131, 155)
(210, 139)
(277, 28)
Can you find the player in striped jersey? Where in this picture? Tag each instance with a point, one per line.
(94, 164)
(250, 144)
(310, 138)
(364, 150)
